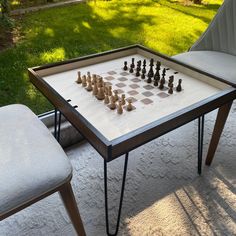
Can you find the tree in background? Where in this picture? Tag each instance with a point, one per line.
(5, 9)
(5, 20)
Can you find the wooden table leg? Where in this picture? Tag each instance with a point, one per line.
(222, 115)
(69, 201)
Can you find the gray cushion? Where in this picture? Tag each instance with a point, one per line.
(31, 161)
(221, 33)
(217, 63)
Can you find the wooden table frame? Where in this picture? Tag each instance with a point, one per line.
(110, 150)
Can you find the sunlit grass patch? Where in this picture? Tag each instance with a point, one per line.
(167, 26)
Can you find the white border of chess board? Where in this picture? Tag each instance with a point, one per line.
(110, 124)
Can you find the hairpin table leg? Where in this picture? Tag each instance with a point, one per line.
(200, 142)
(121, 196)
(57, 124)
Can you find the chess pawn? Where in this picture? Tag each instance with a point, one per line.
(100, 95)
(95, 89)
(119, 108)
(113, 103)
(179, 88)
(170, 91)
(79, 80)
(125, 66)
(129, 106)
(110, 91)
(89, 88)
(116, 95)
(84, 81)
(123, 99)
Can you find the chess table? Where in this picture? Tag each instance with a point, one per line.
(155, 112)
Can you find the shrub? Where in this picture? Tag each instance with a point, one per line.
(5, 20)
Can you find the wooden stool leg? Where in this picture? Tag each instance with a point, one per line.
(69, 201)
(219, 126)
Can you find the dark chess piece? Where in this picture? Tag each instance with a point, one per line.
(144, 63)
(139, 63)
(132, 64)
(156, 81)
(144, 70)
(138, 68)
(161, 86)
(131, 70)
(163, 80)
(125, 66)
(170, 91)
(171, 80)
(143, 76)
(157, 75)
(137, 72)
(151, 62)
(179, 87)
(151, 73)
(164, 72)
(149, 80)
(158, 65)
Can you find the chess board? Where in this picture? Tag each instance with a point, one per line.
(149, 101)
(156, 111)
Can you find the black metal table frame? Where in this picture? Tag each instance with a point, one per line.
(57, 128)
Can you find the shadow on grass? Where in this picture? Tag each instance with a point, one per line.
(191, 9)
(61, 33)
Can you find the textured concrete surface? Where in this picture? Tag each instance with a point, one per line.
(163, 195)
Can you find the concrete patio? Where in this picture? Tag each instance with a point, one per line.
(163, 195)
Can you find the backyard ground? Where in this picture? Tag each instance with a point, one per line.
(167, 26)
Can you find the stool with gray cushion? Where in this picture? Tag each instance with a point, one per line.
(32, 165)
(215, 54)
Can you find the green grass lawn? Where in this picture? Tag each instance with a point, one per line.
(56, 34)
